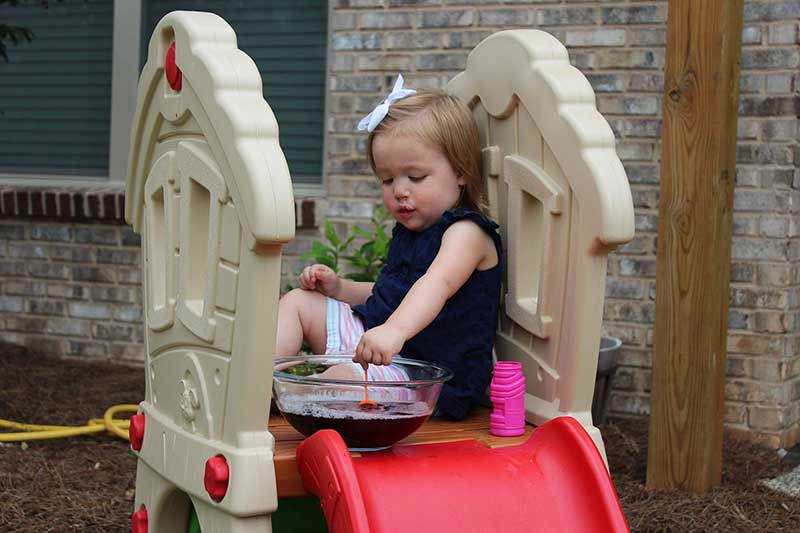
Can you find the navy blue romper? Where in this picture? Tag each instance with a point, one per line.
(462, 335)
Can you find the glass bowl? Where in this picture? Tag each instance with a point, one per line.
(323, 392)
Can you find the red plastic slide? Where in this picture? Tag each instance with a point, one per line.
(556, 481)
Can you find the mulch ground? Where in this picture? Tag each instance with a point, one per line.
(87, 483)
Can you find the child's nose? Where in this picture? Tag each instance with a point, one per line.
(401, 190)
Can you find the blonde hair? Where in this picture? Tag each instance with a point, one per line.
(444, 121)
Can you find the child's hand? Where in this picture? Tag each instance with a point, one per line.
(319, 278)
(378, 345)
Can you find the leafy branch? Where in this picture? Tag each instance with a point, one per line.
(367, 260)
(15, 34)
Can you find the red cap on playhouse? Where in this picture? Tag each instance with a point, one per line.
(174, 74)
(139, 521)
(216, 478)
(136, 431)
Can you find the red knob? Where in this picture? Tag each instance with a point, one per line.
(136, 431)
(139, 521)
(174, 74)
(216, 478)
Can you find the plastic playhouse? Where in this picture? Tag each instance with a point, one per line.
(210, 192)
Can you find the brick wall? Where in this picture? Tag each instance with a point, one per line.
(619, 46)
(71, 285)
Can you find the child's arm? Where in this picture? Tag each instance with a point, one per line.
(464, 248)
(323, 279)
(353, 292)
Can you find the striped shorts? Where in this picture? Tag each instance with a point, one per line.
(344, 330)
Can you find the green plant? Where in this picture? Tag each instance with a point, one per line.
(329, 254)
(367, 260)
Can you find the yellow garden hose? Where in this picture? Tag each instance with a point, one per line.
(95, 425)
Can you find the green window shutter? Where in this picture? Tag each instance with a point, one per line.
(288, 41)
(55, 92)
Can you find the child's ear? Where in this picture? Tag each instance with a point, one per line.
(461, 180)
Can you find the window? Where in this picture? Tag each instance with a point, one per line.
(287, 39)
(55, 92)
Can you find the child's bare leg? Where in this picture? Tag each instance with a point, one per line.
(301, 315)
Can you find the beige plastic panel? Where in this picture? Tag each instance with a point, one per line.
(561, 196)
(209, 189)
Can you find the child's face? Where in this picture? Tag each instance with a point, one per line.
(417, 181)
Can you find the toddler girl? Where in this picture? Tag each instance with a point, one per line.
(437, 297)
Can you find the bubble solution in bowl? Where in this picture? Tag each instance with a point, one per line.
(323, 392)
(360, 428)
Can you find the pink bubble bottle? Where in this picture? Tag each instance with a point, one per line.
(507, 392)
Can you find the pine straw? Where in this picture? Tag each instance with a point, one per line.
(739, 504)
(77, 484)
(87, 484)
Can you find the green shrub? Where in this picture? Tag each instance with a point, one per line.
(367, 260)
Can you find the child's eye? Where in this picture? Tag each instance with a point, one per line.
(417, 178)
(387, 181)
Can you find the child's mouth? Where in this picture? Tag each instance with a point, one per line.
(405, 212)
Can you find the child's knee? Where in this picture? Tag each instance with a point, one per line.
(297, 298)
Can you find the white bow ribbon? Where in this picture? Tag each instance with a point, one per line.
(371, 121)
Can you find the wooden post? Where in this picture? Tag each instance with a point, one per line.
(698, 160)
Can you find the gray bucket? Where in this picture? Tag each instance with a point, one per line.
(606, 367)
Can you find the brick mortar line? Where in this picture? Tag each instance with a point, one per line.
(104, 204)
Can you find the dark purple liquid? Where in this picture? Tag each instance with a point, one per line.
(373, 428)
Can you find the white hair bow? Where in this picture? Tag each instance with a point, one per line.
(371, 121)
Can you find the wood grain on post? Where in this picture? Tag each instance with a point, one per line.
(698, 160)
